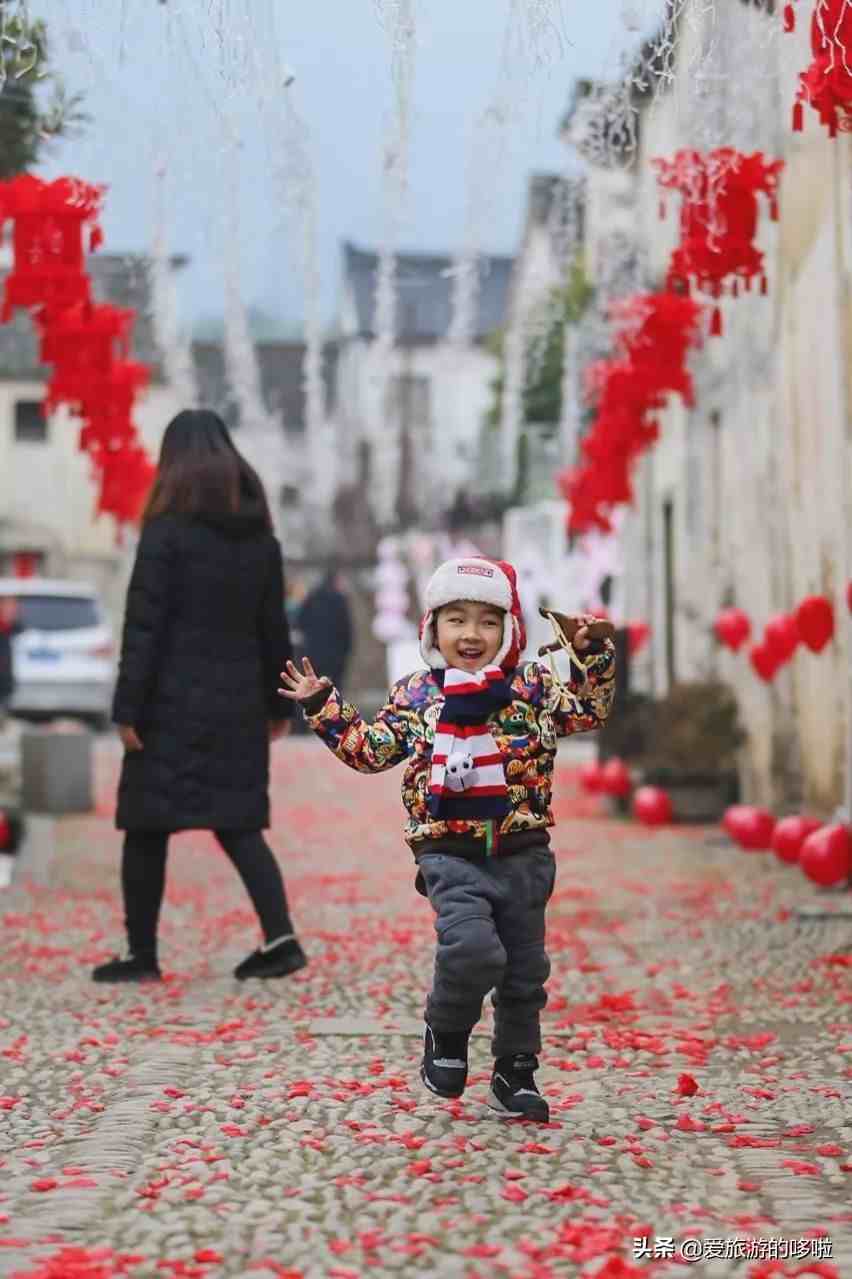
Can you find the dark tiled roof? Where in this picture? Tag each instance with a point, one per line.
(280, 367)
(424, 293)
(120, 278)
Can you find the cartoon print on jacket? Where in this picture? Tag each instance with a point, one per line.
(525, 731)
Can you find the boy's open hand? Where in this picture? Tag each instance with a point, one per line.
(302, 684)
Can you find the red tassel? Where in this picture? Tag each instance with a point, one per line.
(764, 286)
(716, 323)
(798, 117)
(789, 18)
(747, 284)
(773, 208)
(662, 209)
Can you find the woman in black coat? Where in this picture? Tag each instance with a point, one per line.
(205, 635)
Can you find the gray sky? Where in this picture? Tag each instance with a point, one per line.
(159, 79)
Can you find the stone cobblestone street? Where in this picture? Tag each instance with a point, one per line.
(698, 1063)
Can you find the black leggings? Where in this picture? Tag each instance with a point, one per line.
(143, 879)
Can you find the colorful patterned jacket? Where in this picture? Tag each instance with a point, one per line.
(525, 731)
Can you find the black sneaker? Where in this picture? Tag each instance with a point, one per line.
(513, 1091)
(278, 960)
(136, 968)
(444, 1068)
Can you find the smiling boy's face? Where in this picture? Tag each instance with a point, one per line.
(469, 634)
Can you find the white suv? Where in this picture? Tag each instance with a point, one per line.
(63, 654)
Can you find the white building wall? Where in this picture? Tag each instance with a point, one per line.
(48, 496)
(759, 470)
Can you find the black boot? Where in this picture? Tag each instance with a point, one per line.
(131, 968)
(513, 1089)
(278, 959)
(444, 1068)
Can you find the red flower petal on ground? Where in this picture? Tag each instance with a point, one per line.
(800, 1168)
(687, 1086)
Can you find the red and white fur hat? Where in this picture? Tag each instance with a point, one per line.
(485, 582)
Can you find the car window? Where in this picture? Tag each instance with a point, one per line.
(57, 612)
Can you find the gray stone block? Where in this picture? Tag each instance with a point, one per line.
(56, 771)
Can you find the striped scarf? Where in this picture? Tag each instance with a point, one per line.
(468, 781)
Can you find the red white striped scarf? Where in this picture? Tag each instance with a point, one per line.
(468, 780)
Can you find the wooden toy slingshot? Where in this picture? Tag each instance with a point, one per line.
(565, 629)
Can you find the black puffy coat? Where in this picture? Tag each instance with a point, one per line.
(205, 637)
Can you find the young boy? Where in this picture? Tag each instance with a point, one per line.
(479, 733)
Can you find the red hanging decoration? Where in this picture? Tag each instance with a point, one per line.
(126, 476)
(49, 267)
(732, 628)
(85, 336)
(718, 217)
(656, 331)
(88, 345)
(815, 622)
(826, 84)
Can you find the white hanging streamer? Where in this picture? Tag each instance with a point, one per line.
(512, 405)
(534, 39)
(566, 229)
(294, 174)
(486, 166)
(398, 17)
(240, 355)
(175, 351)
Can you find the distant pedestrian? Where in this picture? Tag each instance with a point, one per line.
(196, 706)
(478, 731)
(326, 626)
(9, 627)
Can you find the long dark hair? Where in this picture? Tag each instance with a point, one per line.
(201, 473)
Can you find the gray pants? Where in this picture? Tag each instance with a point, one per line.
(489, 917)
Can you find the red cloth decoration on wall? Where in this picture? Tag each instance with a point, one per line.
(827, 83)
(649, 363)
(87, 344)
(126, 476)
(718, 218)
(49, 219)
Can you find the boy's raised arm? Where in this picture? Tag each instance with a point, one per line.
(364, 747)
(586, 699)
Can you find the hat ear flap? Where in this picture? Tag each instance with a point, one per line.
(429, 650)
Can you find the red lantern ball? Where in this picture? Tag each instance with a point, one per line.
(815, 622)
(753, 830)
(789, 835)
(652, 806)
(615, 778)
(781, 637)
(732, 628)
(826, 856)
(590, 777)
(734, 817)
(764, 662)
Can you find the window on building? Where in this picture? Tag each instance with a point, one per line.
(410, 401)
(30, 422)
